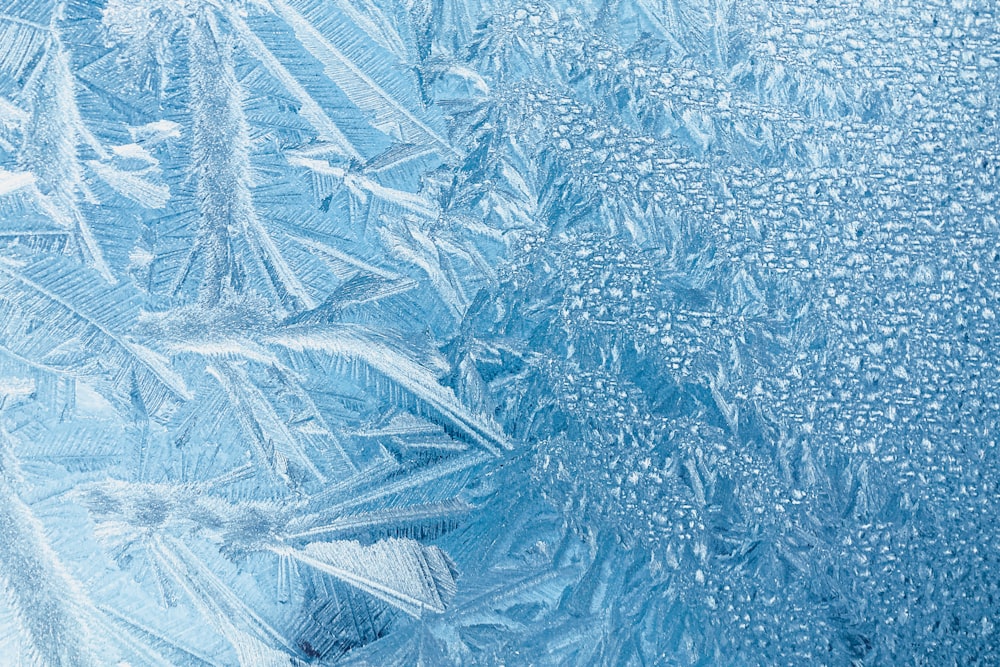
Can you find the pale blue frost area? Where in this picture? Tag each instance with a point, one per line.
(465, 332)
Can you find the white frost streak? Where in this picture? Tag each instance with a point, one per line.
(220, 606)
(134, 152)
(367, 16)
(66, 318)
(340, 258)
(384, 517)
(360, 88)
(421, 251)
(363, 187)
(222, 155)
(49, 604)
(408, 374)
(49, 149)
(406, 574)
(132, 186)
(12, 181)
(156, 132)
(272, 436)
(311, 110)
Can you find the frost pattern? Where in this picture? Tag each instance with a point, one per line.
(390, 332)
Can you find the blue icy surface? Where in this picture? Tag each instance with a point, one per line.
(459, 332)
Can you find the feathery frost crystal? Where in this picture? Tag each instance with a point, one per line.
(454, 332)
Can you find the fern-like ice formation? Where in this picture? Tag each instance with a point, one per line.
(452, 332)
